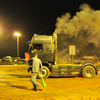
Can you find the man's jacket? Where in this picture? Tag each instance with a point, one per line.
(36, 64)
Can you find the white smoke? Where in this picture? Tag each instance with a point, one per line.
(81, 30)
(87, 20)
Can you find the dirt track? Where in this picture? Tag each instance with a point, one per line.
(15, 85)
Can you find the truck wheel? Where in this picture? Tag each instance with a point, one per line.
(88, 72)
(45, 73)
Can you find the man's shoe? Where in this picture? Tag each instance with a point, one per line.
(35, 89)
(39, 87)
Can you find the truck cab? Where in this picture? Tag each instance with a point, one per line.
(46, 48)
(43, 46)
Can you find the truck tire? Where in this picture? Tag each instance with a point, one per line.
(45, 73)
(88, 72)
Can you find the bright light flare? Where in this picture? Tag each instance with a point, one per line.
(17, 34)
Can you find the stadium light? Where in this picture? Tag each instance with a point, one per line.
(17, 34)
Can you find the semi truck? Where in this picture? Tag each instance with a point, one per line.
(46, 48)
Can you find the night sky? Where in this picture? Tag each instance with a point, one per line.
(31, 17)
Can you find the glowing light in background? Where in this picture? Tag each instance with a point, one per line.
(17, 34)
(4, 33)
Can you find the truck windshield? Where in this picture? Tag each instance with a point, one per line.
(38, 46)
(35, 47)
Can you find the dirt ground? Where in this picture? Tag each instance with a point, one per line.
(15, 85)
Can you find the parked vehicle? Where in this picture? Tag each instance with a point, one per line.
(8, 60)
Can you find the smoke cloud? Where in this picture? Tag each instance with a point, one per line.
(81, 30)
(87, 20)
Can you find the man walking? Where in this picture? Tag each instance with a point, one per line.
(36, 65)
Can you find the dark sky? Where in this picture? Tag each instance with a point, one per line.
(32, 16)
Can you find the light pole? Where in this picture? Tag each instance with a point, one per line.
(17, 34)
